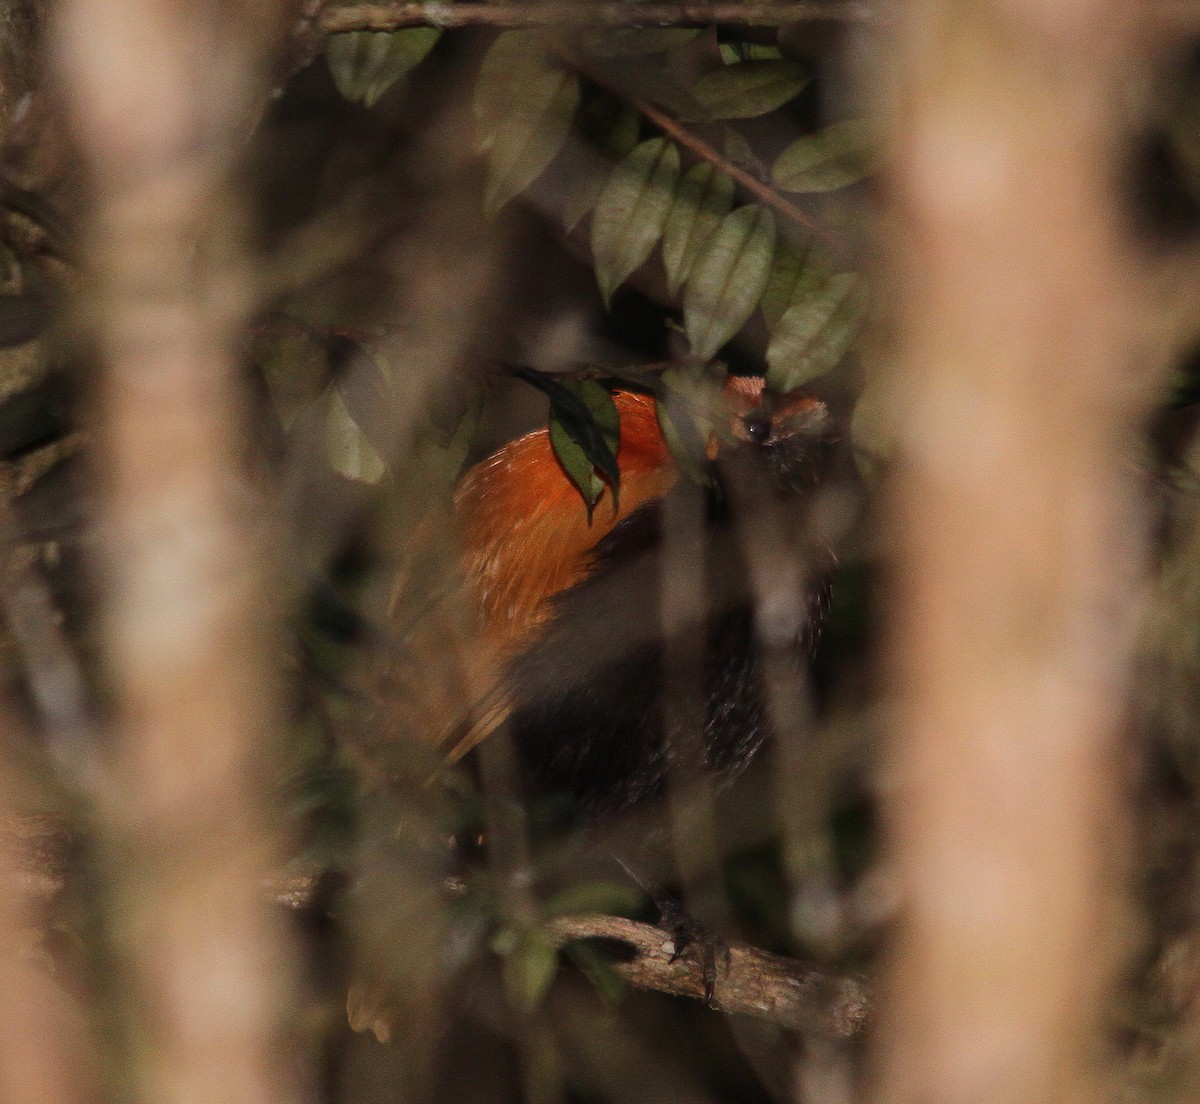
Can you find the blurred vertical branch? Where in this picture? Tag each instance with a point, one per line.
(157, 96)
(45, 1052)
(1016, 543)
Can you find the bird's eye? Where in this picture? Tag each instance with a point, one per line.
(758, 429)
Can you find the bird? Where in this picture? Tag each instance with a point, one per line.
(568, 600)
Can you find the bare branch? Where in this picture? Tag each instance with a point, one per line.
(390, 17)
(756, 983)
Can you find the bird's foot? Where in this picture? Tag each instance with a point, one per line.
(686, 932)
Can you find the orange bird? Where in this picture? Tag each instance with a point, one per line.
(570, 607)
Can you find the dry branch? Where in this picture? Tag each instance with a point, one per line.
(390, 17)
(752, 983)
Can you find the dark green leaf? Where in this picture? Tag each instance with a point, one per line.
(749, 88)
(585, 431)
(590, 960)
(728, 279)
(529, 968)
(704, 198)
(686, 399)
(832, 158)
(631, 212)
(525, 103)
(815, 333)
(365, 64)
(611, 130)
(795, 272)
(589, 461)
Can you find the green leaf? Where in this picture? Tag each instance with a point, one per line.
(631, 212)
(749, 88)
(585, 431)
(350, 453)
(365, 64)
(795, 272)
(815, 333)
(529, 968)
(832, 158)
(728, 279)
(611, 131)
(734, 52)
(587, 448)
(686, 400)
(590, 960)
(634, 41)
(524, 103)
(704, 198)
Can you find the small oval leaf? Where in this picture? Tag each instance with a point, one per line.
(686, 398)
(631, 211)
(365, 64)
(749, 88)
(832, 158)
(795, 272)
(728, 279)
(815, 333)
(704, 198)
(587, 447)
(524, 102)
(350, 453)
(610, 129)
(529, 969)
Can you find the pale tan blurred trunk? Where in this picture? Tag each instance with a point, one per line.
(1016, 534)
(159, 96)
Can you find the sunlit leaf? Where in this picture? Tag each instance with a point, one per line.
(815, 333)
(795, 271)
(631, 211)
(524, 102)
(728, 279)
(704, 198)
(617, 42)
(365, 64)
(832, 158)
(749, 88)
(350, 453)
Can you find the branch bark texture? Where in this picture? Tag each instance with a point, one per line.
(390, 17)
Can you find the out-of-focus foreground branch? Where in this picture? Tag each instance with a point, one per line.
(387, 17)
(157, 96)
(1016, 539)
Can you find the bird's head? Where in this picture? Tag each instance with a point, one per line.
(791, 435)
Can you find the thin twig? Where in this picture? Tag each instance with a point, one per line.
(750, 183)
(390, 17)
